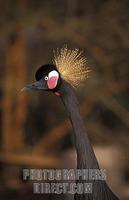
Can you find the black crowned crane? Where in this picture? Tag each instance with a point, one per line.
(68, 71)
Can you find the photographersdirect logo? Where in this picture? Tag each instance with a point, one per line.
(58, 181)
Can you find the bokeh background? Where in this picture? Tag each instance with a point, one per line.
(35, 131)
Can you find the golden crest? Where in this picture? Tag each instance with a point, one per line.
(72, 65)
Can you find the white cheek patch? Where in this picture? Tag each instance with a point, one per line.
(52, 79)
(53, 74)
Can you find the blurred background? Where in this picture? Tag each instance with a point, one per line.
(35, 131)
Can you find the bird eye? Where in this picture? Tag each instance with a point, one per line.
(46, 78)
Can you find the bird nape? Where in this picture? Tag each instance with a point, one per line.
(69, 70)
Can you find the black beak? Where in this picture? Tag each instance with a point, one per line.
(38, 85)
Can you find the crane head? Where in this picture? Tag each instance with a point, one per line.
(47, 78)
(68, 65)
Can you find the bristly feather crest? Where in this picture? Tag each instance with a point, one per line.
(72, 65)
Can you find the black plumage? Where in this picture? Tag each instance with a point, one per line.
(55, 77)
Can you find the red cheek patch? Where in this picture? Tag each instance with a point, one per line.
(52, 82)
